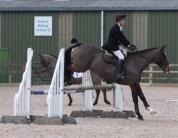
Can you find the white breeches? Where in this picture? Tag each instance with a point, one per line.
(77, 74)
(119, 54)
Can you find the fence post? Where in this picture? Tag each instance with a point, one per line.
(28, 81)
(87, 95)
(10, 75)
(151, 75)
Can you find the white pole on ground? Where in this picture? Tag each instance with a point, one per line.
(87, 95)
(118, 98)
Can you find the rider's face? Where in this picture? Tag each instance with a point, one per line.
(122, 22)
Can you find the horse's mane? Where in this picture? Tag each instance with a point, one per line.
(53, 56)
(145, 50)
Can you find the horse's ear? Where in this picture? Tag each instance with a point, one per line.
(163, 47)
(40, 55)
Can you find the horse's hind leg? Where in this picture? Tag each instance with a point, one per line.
(105, 97)
(70, 100)
(97, 97)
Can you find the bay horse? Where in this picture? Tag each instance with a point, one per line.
(90, 57)
(48, 63)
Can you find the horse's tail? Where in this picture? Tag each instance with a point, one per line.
(67, 73)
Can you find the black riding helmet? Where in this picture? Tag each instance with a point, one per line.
(73, 40)
(120, 17)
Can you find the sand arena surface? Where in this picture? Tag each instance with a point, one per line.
(160, 125)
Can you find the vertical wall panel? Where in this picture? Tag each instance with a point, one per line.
(4, 58)
(162, 30)
(140, 28)
(0, 29)
(87, 27)
(65, 29)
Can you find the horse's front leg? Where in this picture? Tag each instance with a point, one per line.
(142, 97)
(137, 111)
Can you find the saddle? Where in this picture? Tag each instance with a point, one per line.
(110, 58)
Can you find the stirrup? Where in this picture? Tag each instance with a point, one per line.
(120, 77)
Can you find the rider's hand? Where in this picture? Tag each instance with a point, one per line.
(133, 48)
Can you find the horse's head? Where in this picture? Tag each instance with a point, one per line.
(44, 63)
(162, 61)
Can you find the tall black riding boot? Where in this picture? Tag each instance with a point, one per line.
(119, 75)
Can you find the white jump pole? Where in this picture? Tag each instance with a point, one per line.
(87, 95)
(61, 84)
(118, 98)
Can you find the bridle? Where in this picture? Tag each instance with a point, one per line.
(162, 56)
(45, 65)
(158, 62)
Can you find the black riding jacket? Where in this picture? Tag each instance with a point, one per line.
(116, 37)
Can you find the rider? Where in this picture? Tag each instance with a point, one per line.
(115, 39)
(74, 41)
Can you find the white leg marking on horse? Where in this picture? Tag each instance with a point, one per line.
(152, 111)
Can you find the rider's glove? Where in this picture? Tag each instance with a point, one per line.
(133, 48)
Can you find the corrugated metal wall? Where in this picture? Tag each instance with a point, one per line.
(140, 29)
(0, 30)
(65, 29)
(87, 27)
(4, 58)
(17, 34)
(162, 30)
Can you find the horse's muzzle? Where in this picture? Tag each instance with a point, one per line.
(167, 68)
(43, 70)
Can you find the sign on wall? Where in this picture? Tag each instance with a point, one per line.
(43, 26)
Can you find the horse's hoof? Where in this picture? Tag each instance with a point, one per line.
(69, 104)
(140, 118)
(107, 102)
(153, 112)
(94, 104)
